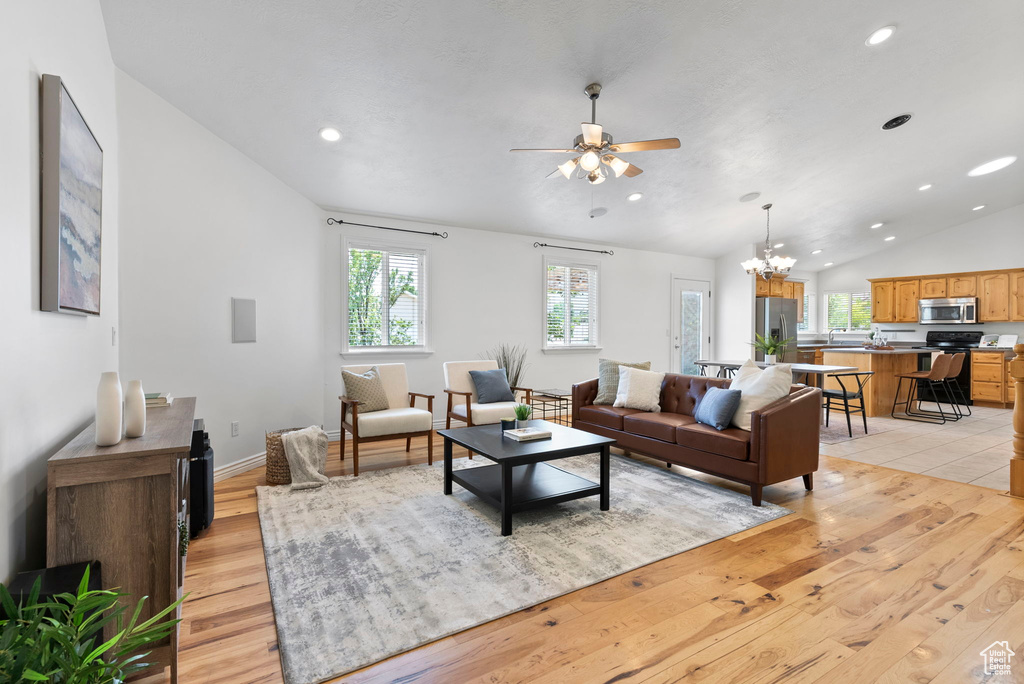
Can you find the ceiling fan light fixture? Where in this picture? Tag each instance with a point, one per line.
(590, 161)
(568, 167)
(595, 178)
(617, 165)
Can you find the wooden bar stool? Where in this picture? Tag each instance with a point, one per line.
(953, 383)
(935, 378)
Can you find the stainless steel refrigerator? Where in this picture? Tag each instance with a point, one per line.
(777, 317)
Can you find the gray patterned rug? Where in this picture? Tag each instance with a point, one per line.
(364, 568)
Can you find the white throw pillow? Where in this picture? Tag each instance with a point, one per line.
(639, 389)
(758, 388)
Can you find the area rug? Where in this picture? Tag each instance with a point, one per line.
(837, 431)
(366, 567)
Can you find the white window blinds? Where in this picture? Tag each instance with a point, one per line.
(848, 310)
(386, 297)
(570, 304)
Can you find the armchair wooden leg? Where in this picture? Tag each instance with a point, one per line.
(355, 456)
(342, 444)
(448, 423)
(408, 444)
(430, 448)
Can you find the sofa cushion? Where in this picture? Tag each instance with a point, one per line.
(639, 389)
(491, 386)
(717, 407)
(486, 414)
(605, 416)
(731, 442)
(758, 388)
(394, 422)
(608, 378)
(656, 425)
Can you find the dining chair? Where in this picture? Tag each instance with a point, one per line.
(846, 395)
(935, 380)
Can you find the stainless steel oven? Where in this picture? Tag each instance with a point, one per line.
(946, 311)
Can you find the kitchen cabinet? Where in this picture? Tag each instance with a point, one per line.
(775, 287)
(1017, 296)
(798, 295)
(962, 286)
(933, 288)
(991, 384)
(905, 296)
(761, 287)
(994, 297)
(787, 289)
(882, 302)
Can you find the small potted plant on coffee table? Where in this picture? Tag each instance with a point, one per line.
(522, 412)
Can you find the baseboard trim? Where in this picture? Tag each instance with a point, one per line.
(238, 467)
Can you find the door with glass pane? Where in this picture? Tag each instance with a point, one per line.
(691, 324)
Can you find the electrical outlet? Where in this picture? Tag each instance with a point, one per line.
(234, 428)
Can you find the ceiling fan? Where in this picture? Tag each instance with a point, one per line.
(594, 149)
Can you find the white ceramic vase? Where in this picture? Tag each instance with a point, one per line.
(769, 359)
(108, 409)
(134, 410)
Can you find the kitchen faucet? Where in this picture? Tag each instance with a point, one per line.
(831, 333)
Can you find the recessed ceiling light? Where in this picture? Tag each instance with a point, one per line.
(896, 122)
(829, 263)
(978, 208)
(330, 134)
(877, 225)
(781, 244)
(927, 186)
(817, 251)
(633, 197)
(750, 196)
(880, 36)
(890, 238)
(989, 167)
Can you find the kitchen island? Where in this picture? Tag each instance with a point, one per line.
(886, 364)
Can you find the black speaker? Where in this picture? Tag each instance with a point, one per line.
(200, 480)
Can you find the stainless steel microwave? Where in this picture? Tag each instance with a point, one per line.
(946, 311)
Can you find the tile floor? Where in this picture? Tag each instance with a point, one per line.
(975, 449)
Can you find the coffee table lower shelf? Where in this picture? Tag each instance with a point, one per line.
(533, 486)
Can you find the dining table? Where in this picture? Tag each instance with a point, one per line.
(811, 374)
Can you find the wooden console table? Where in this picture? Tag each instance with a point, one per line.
(121, 505)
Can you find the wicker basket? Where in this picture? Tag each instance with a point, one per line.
(278, 472)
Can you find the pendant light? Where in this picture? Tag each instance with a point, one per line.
(769, 265)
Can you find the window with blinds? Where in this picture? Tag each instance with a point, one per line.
(570, 304)
(848, 310)
(386, 303)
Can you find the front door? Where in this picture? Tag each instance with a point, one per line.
(691, 324)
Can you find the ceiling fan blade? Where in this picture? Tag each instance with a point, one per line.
(592, 133)
(543, 150)
(646, 145)
(633, 171)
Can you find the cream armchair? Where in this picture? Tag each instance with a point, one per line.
(402, 419)
(462, 399)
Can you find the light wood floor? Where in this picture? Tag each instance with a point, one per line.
(881, 575)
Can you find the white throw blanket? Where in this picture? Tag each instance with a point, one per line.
(306, 451)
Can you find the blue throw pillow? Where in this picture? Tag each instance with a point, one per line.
(492, 386)
(717, 407)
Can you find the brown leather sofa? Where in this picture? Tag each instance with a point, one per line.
(782, 443)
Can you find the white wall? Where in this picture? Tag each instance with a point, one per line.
(204, 224)
(486, 287)
(733, 303)
(51, 362)
(989, 242)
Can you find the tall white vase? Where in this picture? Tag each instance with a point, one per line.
(108, 410)
(134, 410)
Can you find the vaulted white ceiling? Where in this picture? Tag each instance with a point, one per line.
(780, 98)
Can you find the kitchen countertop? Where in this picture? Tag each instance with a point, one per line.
(862, 350)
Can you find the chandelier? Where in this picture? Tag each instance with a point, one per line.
(769, 265)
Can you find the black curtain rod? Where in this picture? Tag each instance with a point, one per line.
(332, 221)
(576, 249)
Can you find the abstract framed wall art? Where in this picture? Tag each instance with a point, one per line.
(72, 194)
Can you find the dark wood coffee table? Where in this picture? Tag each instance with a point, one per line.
(521, 478)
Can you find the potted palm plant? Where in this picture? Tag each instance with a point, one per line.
(771, 347)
